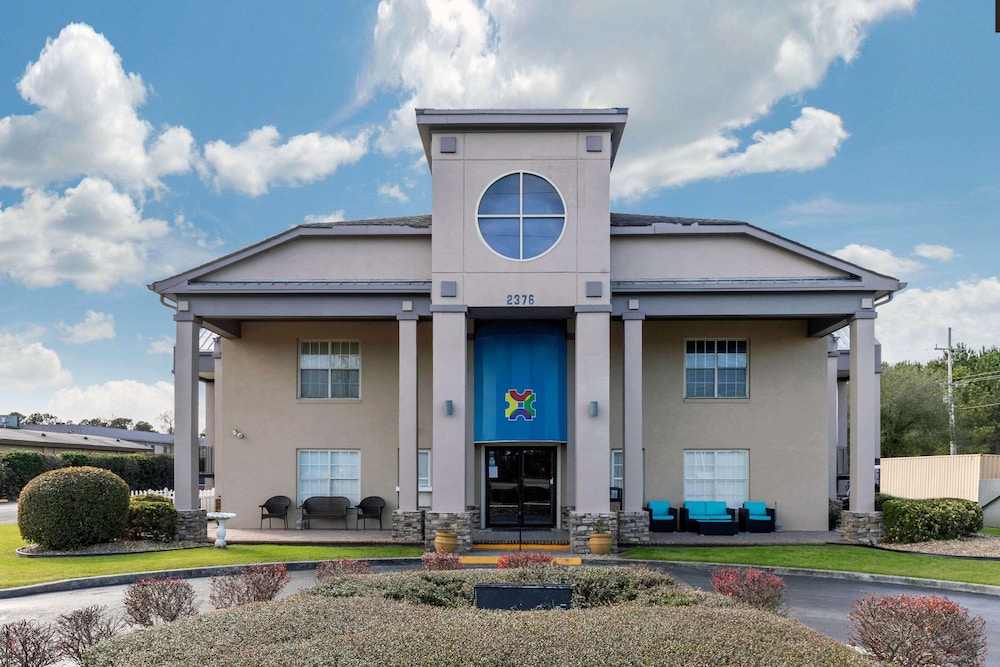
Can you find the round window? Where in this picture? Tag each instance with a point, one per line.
(521, 216)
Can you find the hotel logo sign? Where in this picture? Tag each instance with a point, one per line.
(520, 405)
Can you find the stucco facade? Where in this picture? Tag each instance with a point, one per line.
(523, 326)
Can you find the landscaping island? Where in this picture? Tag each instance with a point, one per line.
(619, 616)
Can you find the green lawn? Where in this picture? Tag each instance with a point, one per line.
(835, 557)
(17, 571)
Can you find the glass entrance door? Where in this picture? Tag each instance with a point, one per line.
(520, 487)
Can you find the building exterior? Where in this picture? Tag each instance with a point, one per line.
(508, 358)
(974, 477)
(54, 439)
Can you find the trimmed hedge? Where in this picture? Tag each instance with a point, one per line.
(908, 521)
(140, 471)
(154, 520)
(17, 468)
(73, 507)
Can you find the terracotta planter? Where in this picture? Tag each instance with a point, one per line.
(445, 542)
(600, 543)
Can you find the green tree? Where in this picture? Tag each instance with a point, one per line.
(121, 422)
(144, 426)
(977, 400)
(914, 415)
(44, 418)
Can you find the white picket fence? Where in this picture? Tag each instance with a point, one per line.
(206, 497)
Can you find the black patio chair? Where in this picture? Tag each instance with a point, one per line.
(275, 507)
(370, 508)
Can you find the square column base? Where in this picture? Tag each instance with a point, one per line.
(633, 528)
(192, 525)
(408, 526)
(866, 528)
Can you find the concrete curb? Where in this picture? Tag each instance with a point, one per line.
(298, 566)
(188, 573)
(957, 586)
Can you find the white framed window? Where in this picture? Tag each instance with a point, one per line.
(424, 470)
(618, 468)
(423, 478)
(329, 369)
(716, 474)
(715, 368)
(329, 472)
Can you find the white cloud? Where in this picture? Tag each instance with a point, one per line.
(87, 122)
(164, 345)
(91, 235)
(706, 72)
(336, 216)
(825, 210)
(259, 162)
(28, 364)
(917, 320)
(393, 192)
(879, 260)
(117, 398)
(937, 252)
(95, 326)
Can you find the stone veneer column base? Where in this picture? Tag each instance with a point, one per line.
(459, 523)
(408, 526)
(633, 528)
(862, 527)
(581, 525)
(192, 525)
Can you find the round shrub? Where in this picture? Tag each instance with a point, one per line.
(73, 507)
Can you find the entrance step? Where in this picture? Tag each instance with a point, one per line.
(502, 538)
(492, 559)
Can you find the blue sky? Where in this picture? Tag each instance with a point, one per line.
(141, 139)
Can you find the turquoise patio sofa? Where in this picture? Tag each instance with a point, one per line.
(708, 517)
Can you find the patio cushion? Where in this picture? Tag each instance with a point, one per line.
(715, 507)
(757, 511)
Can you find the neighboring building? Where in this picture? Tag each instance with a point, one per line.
(974, 477)
(508, 358)
(55, 439)
(157, 443)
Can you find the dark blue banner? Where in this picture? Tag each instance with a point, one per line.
(520, 384)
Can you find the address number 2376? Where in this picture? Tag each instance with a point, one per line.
(520, 299)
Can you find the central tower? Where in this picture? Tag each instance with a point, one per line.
(520, 233)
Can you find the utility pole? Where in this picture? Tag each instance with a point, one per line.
(953, 448)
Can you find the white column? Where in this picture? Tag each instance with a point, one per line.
(593, 433)
(832, 424)
(407, 479)
(863, 416)
(449, 382)
(186, 412)
(634, 491)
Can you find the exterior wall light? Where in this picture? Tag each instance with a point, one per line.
(238, 433)
(593, 408)
(449, 407)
